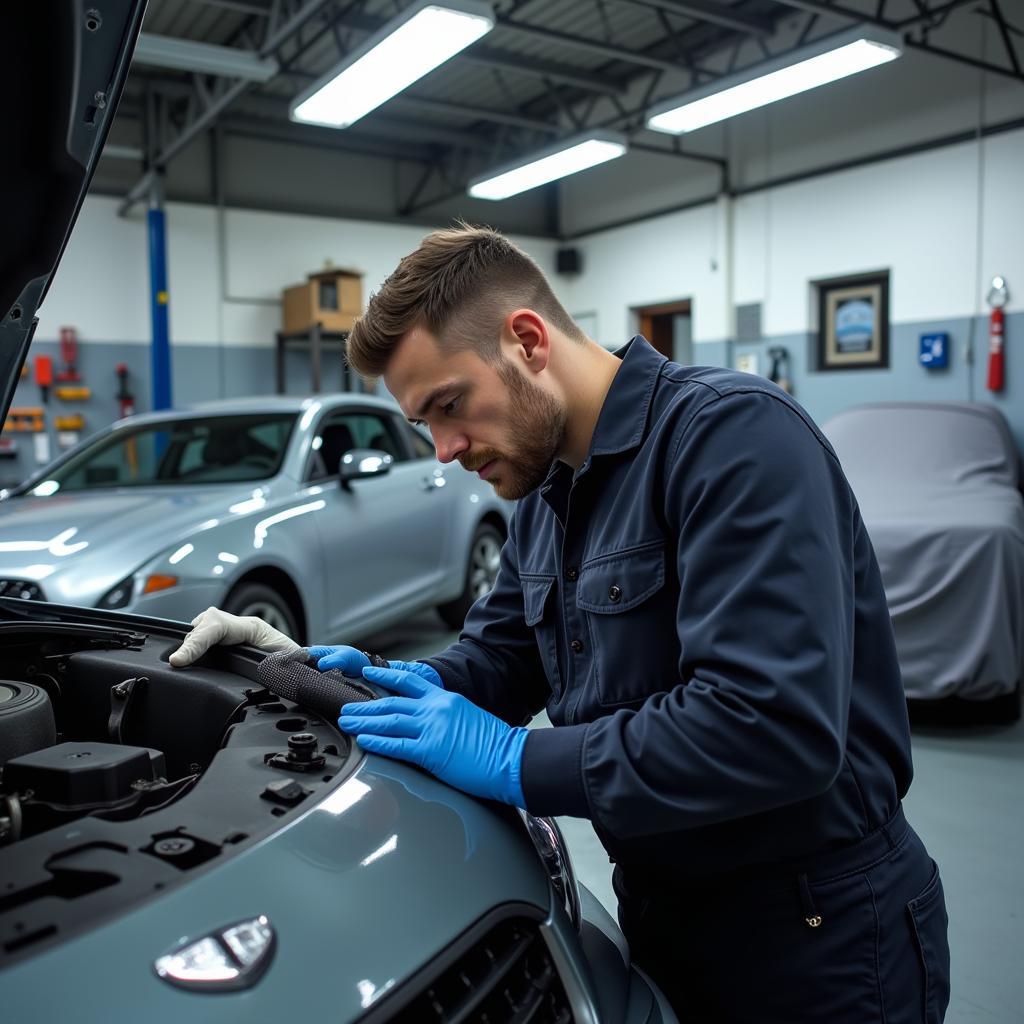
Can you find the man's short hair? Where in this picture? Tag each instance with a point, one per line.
(459, 284)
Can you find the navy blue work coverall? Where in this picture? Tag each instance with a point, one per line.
(700, 610)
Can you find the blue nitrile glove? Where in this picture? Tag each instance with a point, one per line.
(352, 662)
(442, 732)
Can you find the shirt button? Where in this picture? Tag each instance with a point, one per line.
(571, 573)
(614, 593)
(577, 646)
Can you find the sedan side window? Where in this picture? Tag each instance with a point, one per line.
(342, 432)
(421, 447)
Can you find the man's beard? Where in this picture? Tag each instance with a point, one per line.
(536, 428)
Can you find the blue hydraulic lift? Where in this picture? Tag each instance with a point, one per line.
(161, 347)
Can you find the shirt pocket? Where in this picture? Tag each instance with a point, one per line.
(627, 627)
(539, 614)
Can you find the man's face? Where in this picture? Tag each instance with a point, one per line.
(491, 418)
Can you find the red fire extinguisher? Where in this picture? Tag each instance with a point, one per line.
(125, 399)
(998, 295)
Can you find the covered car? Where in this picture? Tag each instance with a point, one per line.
(939, 488)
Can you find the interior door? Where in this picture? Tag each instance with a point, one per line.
(383, 536)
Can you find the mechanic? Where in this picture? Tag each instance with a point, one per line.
(688, 587)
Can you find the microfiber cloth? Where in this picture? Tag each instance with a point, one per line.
(291, 675)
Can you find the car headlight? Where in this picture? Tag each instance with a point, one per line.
(21, 588)
(550, 845)
(118, 596)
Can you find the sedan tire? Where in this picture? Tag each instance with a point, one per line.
(265, 603)
(481, 572)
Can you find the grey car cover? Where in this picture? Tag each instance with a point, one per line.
(939, 488)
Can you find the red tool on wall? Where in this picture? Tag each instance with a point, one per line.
(998, 296)
(44, 376)
(125, 399)
(69, 356)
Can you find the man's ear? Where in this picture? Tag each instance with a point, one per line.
(526, 333)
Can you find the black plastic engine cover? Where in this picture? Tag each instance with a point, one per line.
(83, 775)
(26, 719)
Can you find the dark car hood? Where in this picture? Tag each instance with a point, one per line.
(63, 68)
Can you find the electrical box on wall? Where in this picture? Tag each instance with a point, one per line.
(934, 353)
(746, 362)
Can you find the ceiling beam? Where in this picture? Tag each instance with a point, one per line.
(382, 125)
(542, 69)
(207, 117)
(595, 46)
(821, 7)
(361, 143)
(533, 124)
(716, 14)
(239, 7)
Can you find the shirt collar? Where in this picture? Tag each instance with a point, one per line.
(623, 417)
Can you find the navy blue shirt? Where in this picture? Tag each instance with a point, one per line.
(700, 610)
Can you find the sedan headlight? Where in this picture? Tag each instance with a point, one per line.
(21, 588)
(119, 596)
(550, 844)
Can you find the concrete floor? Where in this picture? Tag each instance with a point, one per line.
(966, 803)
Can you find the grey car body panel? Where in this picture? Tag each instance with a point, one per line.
(362, 890)
(360, 557)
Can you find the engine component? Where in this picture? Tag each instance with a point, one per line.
(303, 755)
(83, 776)
(26, 720)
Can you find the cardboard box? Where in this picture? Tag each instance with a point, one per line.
(333, 298)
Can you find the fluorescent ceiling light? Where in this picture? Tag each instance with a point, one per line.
(420, 39)
(826, 61)
(203, 58)
(566, 157)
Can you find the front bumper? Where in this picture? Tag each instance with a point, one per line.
(180, 604)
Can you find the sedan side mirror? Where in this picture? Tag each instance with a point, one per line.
(360, 463)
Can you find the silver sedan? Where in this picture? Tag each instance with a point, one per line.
(328, 517)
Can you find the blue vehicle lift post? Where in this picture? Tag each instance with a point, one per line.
(161, 346)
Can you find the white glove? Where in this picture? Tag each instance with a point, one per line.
(218, 627)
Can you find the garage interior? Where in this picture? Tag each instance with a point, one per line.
(724, 246)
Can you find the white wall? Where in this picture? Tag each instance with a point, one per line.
(102, 285)
(917, 216)
(679, 256)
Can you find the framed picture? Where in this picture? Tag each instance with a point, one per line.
(853, 322)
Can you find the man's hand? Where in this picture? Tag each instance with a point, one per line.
(442, 732)
(351, 662)
(218, 627)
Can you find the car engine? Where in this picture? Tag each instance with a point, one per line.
(120, 776)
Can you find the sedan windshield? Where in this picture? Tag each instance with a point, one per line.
(201, 450)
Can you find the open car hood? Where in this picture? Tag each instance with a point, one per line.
(66, 64)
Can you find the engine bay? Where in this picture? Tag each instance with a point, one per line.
(120, 777)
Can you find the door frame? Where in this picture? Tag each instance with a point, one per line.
(645, 317)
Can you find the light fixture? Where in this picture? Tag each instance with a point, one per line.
(409, 46)
(202, 58)
(827, 60)
(556, 161)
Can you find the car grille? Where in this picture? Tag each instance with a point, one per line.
(505, 977)
(21, 588)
